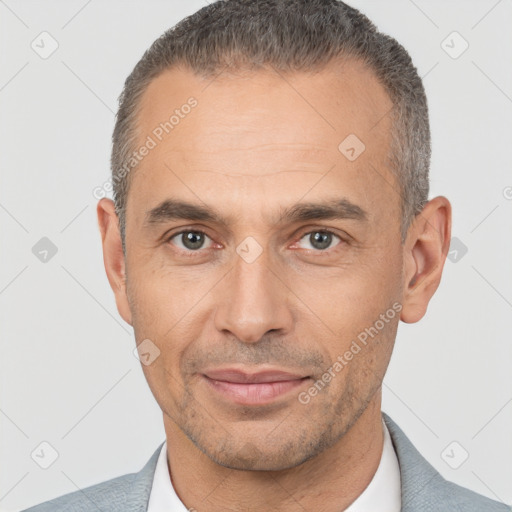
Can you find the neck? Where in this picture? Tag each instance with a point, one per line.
(329, 482)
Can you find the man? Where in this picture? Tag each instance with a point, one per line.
(270, 228)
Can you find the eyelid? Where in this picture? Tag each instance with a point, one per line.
(183, 229)
(305, 230)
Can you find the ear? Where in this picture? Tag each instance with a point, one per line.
(425, 250)
(113, 256)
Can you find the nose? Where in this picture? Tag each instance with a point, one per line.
(252, 301)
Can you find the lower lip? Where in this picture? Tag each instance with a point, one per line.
(254, 393)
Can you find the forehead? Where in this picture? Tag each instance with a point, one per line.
(252, 131)
(343, 96)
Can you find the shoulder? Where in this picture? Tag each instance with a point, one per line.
(121, 494)
(100, 496)
(425, 489)
(468, 501)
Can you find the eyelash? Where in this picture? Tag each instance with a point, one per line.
(190, 253)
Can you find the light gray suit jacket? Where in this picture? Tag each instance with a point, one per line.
(423, 488)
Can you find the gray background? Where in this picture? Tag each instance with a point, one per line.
(68, 374)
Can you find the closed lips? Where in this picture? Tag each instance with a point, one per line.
(240, 377)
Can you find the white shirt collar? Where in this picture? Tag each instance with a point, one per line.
(383, 493)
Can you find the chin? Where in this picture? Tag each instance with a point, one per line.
(245, 455)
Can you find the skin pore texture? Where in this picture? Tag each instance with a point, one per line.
(256, 145)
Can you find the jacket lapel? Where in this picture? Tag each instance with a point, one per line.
(140, 488)
(423, 488)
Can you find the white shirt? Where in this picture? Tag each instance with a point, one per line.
(383, 493)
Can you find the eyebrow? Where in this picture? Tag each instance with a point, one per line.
(335, 209)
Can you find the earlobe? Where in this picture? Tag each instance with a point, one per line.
(113, 257)
(425, 250)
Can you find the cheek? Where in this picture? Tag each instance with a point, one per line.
(348, 299)
(161, 295)
(170, 307)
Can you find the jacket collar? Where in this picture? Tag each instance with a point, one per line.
(421, 483)
(141, 484)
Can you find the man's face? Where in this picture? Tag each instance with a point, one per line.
(257, 286)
